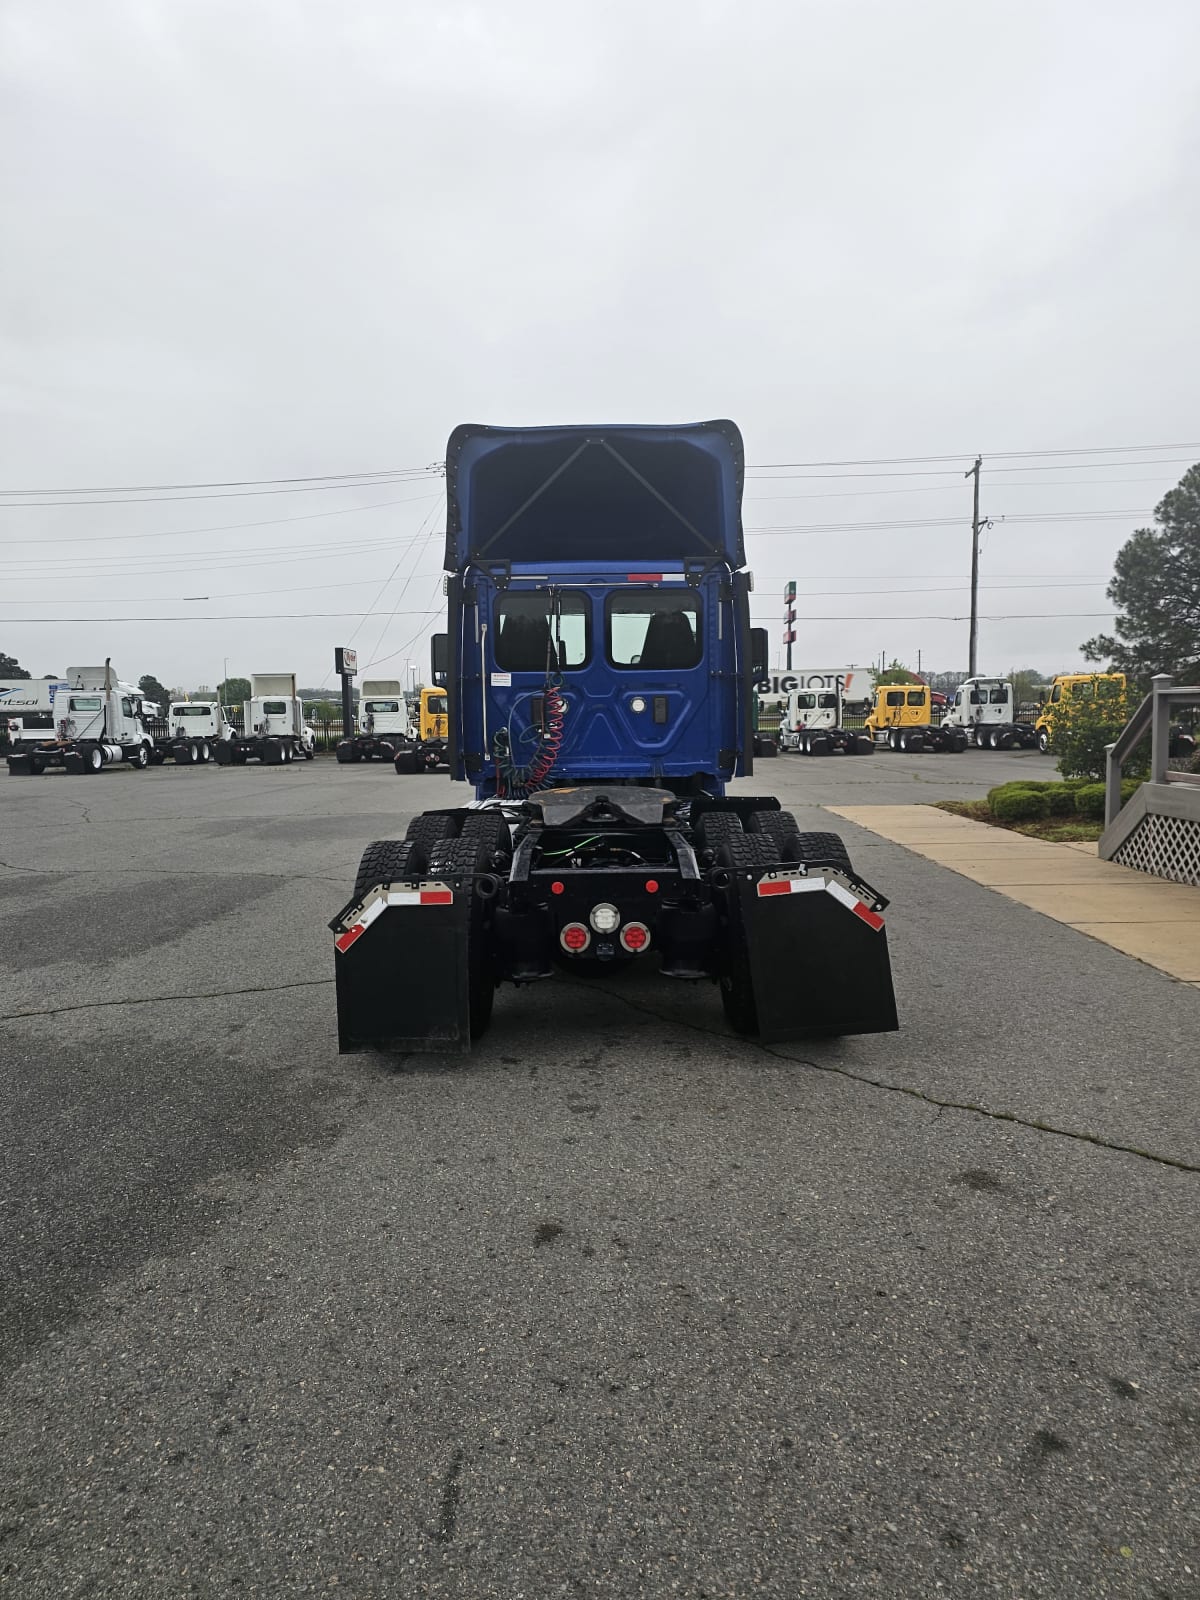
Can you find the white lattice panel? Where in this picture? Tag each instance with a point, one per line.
(1168, 847)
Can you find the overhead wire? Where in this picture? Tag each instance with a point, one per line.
(151, 491)
(220, 527)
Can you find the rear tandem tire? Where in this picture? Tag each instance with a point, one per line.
(820, 849)
(737, 984)
(777, 826)
(426, 831)
(714, 827)
(457, 861)
(385, 861)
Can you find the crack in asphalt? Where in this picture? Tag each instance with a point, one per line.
(11, 866)
(163, 999)
(906, 1090)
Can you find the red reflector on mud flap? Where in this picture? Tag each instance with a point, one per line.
(772, 886)
(437, 897)
(345, 940)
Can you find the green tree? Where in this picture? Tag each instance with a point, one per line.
(1026, 682)
(1156, 588)
(1083, 724)
(896, 672)
(153, 690)
(10, 667)
(234, 691)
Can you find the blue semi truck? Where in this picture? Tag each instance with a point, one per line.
(600, 667)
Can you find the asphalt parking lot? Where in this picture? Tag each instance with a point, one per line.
(621, 1304)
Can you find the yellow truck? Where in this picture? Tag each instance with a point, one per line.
(901, 718)
(1076, 686)
(434, 725)
(431, 731)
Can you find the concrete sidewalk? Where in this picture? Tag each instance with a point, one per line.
(1148, 918)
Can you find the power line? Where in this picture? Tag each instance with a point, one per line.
(953, 473)
(221, 616)
(967, 455)
(194, 561)
(355, 583)
(350, 479)
(223, 527)
(946, 488)
(908, 616)
(909, 523)
(232, 494)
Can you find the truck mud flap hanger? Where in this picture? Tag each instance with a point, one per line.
(817, 951)
(403, 986)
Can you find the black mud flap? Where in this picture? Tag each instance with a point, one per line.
(818, 953)
(400, 959)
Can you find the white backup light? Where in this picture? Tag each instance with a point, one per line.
(605, 918)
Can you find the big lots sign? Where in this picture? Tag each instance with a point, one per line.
(854, 682)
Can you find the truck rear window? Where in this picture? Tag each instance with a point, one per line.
(383, 707)
(656, 629)
(528, 625)
(192, 711)
(916, 697)
(274, 708)
(85, 702)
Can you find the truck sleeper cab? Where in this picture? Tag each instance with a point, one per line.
(901, 718)
(985, 708)
(97, 723)
(600, 669)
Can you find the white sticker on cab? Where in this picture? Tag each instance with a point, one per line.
(501, 680)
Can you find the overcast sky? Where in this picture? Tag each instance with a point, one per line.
(257, 241)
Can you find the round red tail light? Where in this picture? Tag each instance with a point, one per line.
(635, 936)
(556, 887)
(651, 885)
(575, 937)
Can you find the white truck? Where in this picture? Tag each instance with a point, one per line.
(986, 708)
(97, 723)
(811, 723)
(384, 724)
(27, 708)
(274, 730)
(197, 728)
(803, 708)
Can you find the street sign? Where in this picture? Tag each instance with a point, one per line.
(345, 661)
(789, 594)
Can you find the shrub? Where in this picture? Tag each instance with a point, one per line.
(1081, 729)
(1013, 788)
(1060, 799)
(1018, 805)
(1089, 800)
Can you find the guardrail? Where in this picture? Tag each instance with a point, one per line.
(1158, 830)
(1153, 716)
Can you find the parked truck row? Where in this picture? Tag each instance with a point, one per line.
(91, 719)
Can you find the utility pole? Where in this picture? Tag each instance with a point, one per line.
(973, 647)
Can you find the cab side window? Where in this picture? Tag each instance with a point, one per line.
(895, 697)
(916, 697)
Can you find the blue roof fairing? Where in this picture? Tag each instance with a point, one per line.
(603, 494)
